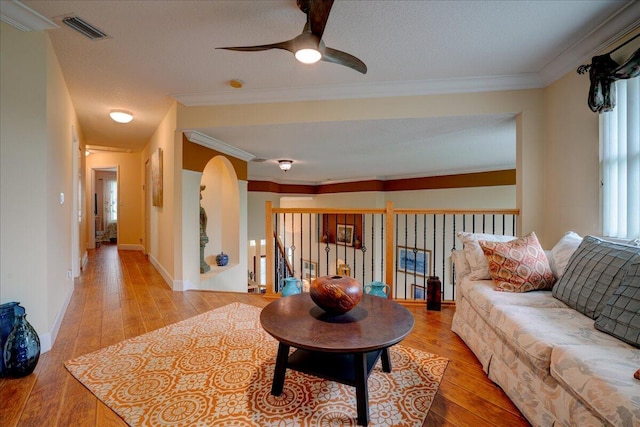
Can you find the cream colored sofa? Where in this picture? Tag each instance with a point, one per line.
(551, 361)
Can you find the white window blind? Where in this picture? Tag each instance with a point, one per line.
(620, 163)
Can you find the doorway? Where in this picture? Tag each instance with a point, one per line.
(105, 205)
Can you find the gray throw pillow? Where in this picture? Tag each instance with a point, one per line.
(593, 273)
(620, 317)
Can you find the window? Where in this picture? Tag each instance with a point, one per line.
(110, 200)
(620, 163)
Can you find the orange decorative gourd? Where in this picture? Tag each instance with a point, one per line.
(336, 294)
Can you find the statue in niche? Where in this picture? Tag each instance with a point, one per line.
(204, 267)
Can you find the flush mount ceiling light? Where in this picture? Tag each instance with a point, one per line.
(121, 116)
(285, 165)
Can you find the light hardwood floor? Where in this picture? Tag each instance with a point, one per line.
(120, 295)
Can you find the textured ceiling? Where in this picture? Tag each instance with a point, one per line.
(164, 50)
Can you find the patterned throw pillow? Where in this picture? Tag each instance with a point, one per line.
(519, 265)
(594, 272)
(620, 317)
(473, 252)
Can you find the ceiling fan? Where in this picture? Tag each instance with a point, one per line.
(308, 47)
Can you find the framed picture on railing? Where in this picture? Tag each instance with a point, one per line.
(414, 261)
(309, 269)
(344, 234)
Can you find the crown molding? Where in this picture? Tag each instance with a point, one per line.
(215, 144)
(23, 17)
(624, 21)
(363, 90)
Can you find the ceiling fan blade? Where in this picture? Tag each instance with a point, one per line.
(288, 45)
(343, 58)
(318, 15)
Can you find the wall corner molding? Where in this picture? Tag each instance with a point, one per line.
(215, 144)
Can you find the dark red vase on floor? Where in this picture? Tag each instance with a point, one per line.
(434, 293)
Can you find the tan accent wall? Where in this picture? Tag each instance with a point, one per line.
(195, 157)
(467, 180)
(130, 229)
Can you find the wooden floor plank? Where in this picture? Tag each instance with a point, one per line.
(120, 295)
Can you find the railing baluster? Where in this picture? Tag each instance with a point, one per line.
(298, 248)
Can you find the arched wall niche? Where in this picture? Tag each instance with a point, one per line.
(221, 202)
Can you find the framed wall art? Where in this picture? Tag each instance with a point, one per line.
(156, 177)
(414, 261)
(418, 292)
(309, 269)
(344, 234)
(330, 223)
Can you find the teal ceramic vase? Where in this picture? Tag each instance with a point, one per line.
(378, 289)
(22, 349)
(292, 286)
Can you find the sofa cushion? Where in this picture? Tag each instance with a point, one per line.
(519, 265)
(533, 332)
(461, 265)
(594, 272)
(482, 296)
(562, 251)
(602, 378)
(473, 252)
(620, 316)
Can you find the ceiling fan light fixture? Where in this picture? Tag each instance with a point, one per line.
(308, 56)
(285, 165)
(121, 116)
(307, 48)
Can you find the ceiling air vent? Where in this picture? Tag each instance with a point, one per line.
(84, 28)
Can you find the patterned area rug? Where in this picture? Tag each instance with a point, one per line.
(215, 369)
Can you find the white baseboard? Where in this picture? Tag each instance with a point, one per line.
(130, 247)
(164, 273)
(47, 339)
(182, 285)
(84, 260)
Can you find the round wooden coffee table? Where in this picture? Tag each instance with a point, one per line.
(341, 348)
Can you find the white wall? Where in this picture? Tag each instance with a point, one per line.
(226, 229)
(36, 168)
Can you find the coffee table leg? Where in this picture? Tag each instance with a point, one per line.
(386, 361)
(280, 370)
(362, 388)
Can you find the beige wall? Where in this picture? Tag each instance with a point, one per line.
(36, 157)
(572, 156)
(164, 241)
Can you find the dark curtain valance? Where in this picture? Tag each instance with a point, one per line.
(603, 73)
